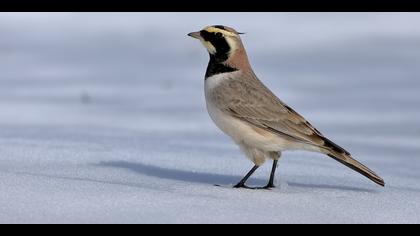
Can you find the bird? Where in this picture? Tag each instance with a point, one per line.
(261, 124)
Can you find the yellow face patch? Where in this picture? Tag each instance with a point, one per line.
(208, 46)
(230, 37)
(212, 29)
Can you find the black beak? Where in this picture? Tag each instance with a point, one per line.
(195, 35)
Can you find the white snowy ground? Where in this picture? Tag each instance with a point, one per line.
(102, 119)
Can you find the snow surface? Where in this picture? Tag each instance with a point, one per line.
(102, 118)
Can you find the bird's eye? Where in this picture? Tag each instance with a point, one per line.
(219, 35)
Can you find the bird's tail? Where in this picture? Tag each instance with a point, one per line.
(339, 154)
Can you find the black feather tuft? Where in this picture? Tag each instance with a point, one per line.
(328, 143)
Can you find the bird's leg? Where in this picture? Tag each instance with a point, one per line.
(272, 175)
(241, 183)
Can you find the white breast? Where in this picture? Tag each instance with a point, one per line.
(226, 123)
(240, 131)
(213, 81)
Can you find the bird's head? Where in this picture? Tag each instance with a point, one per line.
(220, 41)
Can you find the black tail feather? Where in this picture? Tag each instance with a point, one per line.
(360, 168)
(330, 144)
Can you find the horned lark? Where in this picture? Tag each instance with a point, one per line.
(245, 109)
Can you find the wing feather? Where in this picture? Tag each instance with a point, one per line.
(247, 98)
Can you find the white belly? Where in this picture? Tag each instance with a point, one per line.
(241, 132)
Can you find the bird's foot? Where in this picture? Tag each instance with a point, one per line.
(242, 185)
(267, 187)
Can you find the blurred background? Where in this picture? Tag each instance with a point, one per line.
(81, 92)
(94, 68)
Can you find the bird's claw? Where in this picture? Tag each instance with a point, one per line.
(267, 187)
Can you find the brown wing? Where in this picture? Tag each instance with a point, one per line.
(248, 99)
